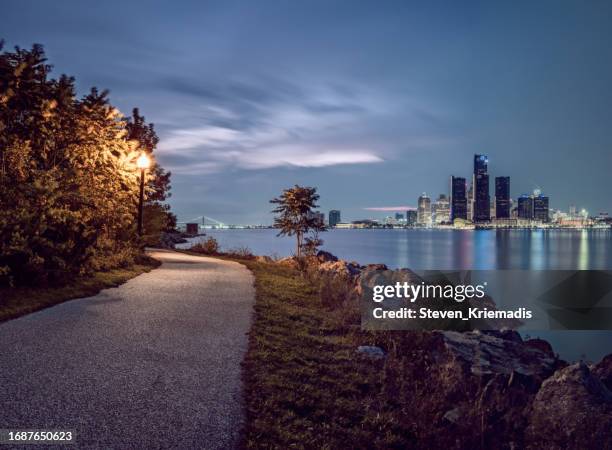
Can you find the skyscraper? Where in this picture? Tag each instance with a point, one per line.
(411, 217)
(540, 208)
(525, 207)
(502, 197)
(424, 210)
(470, 203)
(481, 209)
(458, 202)
(441, 210)
(334, 217)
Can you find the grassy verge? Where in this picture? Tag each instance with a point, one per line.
(305, 385)
(24, 300)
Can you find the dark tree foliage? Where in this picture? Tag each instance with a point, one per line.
(295, 216)
(68, 179)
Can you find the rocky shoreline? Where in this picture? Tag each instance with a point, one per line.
(479, 389)
(482, 384)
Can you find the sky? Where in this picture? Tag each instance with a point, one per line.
(371, 102)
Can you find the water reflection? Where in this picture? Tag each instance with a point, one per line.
(447, 249)
(583, 253)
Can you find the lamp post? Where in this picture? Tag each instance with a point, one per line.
(143, 163)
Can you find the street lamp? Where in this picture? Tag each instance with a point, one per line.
(143, 163)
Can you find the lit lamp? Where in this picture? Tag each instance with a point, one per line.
(143, 163)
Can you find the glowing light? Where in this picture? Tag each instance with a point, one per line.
(143, 161)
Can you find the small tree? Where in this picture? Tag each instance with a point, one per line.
(295, 215)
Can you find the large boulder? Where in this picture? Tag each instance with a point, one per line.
(324, 257)
(289, 261)
(340, 268)
(572, 409)
(264, 259)
(603, 371)
(466, 389)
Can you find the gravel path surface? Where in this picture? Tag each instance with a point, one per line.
(154, 363)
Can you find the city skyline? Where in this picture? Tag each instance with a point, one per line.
(366, 102)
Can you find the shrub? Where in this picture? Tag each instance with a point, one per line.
(208, 247)
(241, 252)
(335, 290)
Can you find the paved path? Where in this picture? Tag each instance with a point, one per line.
(154, 363)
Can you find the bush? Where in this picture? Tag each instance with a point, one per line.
(208, 247)
(335, 290)
(242, 252)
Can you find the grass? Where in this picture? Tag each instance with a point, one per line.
(305, 386)
(19, 301)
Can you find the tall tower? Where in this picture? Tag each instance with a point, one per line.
(424, 210)
(481, 203)
(334, 217)
(540, 208)
(502, 197)
(525, 207)
(458, 201)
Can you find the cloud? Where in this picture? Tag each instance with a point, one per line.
(214, 149)
(251, 127)
(390, 208)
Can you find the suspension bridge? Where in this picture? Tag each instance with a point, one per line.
(205, 222)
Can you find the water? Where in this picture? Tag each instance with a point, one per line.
(461, 250)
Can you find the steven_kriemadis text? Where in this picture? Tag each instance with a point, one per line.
(472, 313)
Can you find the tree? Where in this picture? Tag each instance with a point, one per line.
(295, 216)
(68, 178)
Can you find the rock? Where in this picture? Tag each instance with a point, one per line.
(572, 409)
(289, 261)
(324, 256)
(264, 259)
(453, 415)
(371, 351)
(500, 353)
(540, 344)
(603, 371)
(340, 268)
(481, 382)
(376, 267)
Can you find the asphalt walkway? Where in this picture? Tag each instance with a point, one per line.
(154, 363)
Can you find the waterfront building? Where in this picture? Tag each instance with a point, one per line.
(411, 217)
(458, 202)
(470, 203)
(481, 208)
(389, 220)
(525, 207)
(540, 208)
(334, 217)
(502, 197)
(399, 217)
(192, 228)
(441, 210)
(319, 216)
(424, 210)
(344, 225)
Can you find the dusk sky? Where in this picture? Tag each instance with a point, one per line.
(372, 102)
